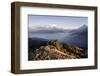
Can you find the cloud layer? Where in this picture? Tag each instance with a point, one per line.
(50, 28)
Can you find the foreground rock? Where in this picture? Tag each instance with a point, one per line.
(57, 50)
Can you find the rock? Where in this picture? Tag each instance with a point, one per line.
(57, 50)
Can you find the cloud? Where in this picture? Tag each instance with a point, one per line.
(50, 28)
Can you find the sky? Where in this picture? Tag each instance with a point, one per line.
(42, 22)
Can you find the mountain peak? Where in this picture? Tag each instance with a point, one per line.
(83, 26)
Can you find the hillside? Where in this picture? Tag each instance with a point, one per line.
(54, 49)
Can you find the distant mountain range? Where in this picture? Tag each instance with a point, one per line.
(78, 37)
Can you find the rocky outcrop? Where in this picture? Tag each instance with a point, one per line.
(56, 50)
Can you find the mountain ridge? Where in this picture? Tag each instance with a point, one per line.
(57, 50)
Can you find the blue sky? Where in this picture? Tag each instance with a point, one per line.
(37, 22)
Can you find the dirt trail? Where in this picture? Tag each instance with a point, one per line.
(59, 52)
(47, 48)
